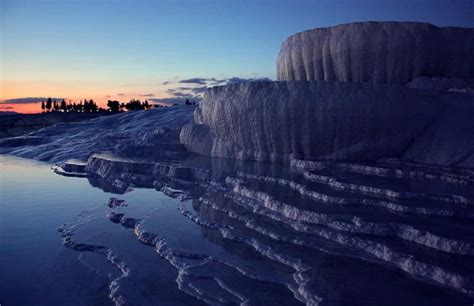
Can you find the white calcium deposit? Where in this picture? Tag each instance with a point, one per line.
(377, 52)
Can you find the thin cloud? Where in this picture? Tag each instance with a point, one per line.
(236, 80)
(183, 95)
(121, 94)
(27, 100)
(175, 100)
(184, 92)
(195, 88)
(215, 82)
(199, 90)
(200, 81)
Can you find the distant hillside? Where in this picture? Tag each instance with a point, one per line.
(15, 124)
(8, 113)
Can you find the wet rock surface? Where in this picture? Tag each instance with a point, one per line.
(246, 232)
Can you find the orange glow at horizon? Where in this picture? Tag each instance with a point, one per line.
(70, 92)
(21, 108)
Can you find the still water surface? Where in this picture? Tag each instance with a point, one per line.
(217, 244)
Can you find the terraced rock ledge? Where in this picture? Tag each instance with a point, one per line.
(406, 223)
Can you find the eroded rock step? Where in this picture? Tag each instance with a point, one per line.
(391, 191)
(404, 232)
(204, 275)
(280, 239)
(312, 197)
(377, 213)
(395, 245)
(393, 168)
(357, 225)
(325, 193)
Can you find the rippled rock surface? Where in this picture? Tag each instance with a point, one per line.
(316, 233)
(377, 52)
(130, 132)
(279, 121)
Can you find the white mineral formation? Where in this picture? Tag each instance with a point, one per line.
(278, 121)
(346, 112)
(377, 52)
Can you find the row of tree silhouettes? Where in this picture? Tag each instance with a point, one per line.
(116, 106)
(89, 106)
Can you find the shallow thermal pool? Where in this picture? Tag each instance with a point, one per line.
(224, 232)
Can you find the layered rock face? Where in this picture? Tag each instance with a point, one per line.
(377, 52)
(376, 89)
(278, 121)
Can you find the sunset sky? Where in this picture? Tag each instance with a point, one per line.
(106, 49)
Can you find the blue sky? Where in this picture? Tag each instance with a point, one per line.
(105, 47)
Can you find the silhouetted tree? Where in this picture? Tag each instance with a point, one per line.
(49, 104)
(122, 107)
(63, 105)
(114, 106)
(43, 106)
(55, 106)
(134, 105)
(92, 106)
(86, 106)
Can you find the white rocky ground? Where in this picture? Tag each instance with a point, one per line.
(111, 133)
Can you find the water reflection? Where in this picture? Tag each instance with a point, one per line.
(242, 232)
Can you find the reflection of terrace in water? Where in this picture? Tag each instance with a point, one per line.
(334, 233)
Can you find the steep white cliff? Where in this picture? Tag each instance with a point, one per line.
(277, 121)
(377, 52)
